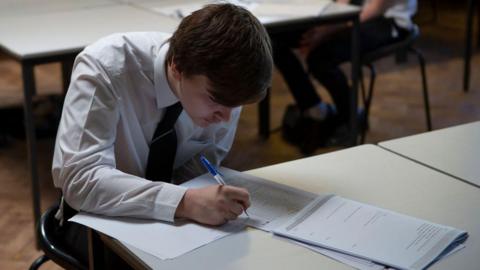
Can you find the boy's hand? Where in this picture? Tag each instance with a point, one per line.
(213, 205)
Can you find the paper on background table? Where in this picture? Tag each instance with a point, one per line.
(265, 12)
(179, 11)
(163, 240)
(372, 233)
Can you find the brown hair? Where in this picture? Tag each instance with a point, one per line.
(228, 45)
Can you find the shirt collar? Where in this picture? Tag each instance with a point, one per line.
(163, 92)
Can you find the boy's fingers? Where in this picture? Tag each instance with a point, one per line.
(236, 193)
(230, 215)
(236, 208)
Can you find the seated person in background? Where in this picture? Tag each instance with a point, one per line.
(120, 149)
(325, 48)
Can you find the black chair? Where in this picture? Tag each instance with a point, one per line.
(51, 245)
(399, 48)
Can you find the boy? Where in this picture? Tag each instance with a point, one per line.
(120, 147)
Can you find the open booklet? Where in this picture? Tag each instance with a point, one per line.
(372, 233)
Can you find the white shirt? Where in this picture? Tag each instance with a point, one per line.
(401, 12)
(117, 96)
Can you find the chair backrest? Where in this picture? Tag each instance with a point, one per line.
(401, 45)
(52, 244)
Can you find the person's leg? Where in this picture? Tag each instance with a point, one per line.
(293, 71)
(323, 62)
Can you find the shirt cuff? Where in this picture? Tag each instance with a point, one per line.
(167, 201)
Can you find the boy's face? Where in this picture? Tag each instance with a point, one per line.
(194, 94)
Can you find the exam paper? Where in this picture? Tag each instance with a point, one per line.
(272, 204)
(163, 240)
(352, 261)
(355, 262)
(372, 233)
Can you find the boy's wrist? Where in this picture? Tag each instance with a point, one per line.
(184, 206)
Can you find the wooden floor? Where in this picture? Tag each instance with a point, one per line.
(397, 111)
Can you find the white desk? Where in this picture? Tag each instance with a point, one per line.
(366, 173)
(454, 151)
(15, 8)
(47, 34)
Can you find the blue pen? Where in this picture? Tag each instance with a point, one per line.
(216, 175)
(211, 169)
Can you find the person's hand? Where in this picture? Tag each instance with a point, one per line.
(311, 38)
(316, 35)
(213, 205)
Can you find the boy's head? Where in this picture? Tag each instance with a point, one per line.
(224, 49)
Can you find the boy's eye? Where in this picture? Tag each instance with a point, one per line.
(211, 99)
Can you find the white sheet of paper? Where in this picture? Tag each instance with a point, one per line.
(163, 240)
(353, 261)
(265, 12)
(288, 10)
(370, 232)
(179, 11)
(271, 203)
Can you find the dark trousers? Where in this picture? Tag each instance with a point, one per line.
(324, 60)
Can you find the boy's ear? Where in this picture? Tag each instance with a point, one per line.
(176, 74)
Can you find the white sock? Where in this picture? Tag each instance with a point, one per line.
(318, 112)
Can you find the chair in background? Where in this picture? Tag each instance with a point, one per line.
(401, 47)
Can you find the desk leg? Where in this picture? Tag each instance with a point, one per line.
(264, 116)
(355, 81)
(28, 92)
(96, 251)
(477, 7)
(67, 66)
(468, 45)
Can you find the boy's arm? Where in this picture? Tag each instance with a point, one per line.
(374, 9)
(316, 35)
(84, 161)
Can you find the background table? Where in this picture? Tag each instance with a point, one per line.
(454, 151)
(365, 173)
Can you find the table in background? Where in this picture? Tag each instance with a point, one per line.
(454, 151)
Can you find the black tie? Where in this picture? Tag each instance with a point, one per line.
(163, 146)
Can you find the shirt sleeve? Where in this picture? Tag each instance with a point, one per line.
(84, 160)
